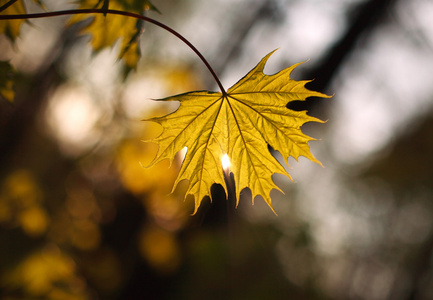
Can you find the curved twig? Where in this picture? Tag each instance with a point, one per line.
(122, 13)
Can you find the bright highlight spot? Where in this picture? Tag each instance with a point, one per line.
(181, 154)
(225, 161)
(72, 117)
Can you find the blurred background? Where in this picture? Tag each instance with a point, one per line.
(80, 218)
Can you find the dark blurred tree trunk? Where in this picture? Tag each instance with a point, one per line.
(363, 21)
(406, 168)
(18, 120)
(233, 44)
(420, 269)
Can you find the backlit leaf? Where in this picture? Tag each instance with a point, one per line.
(241, 124)
(135, 5)
(107, 30)
(11, 28)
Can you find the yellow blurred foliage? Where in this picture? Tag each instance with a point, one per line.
(107, 30)
(181, 79)
(153, 184)
(168, 211)
(133, 156)
(134, 176)
(34, 220)
(21, 203)
(131, 55)
(22, 188)
(77, 222)
(85, 235)
(7, 91)
(43, 273)
(68, 230)
(81, 204)
(160, 249)
(59, 294)
(12, 27)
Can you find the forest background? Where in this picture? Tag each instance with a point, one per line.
(81, 219)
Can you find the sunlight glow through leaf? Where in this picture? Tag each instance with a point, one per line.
(225, 160)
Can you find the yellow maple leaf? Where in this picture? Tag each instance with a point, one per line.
(11, 28)
(106, 30)
(240, 123)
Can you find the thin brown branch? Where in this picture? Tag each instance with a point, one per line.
(122, 13)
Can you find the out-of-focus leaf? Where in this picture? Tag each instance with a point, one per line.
(160, 249)
(34, 220)
(85, 235)
(43, 275)
(107, 30)
(140, 180)
(151, 185)
(78, 226)
(11, 28)
(21, 203)
(6, 81)
(134, 5)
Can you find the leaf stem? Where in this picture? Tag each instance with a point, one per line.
(116, 12)
(7, 4)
